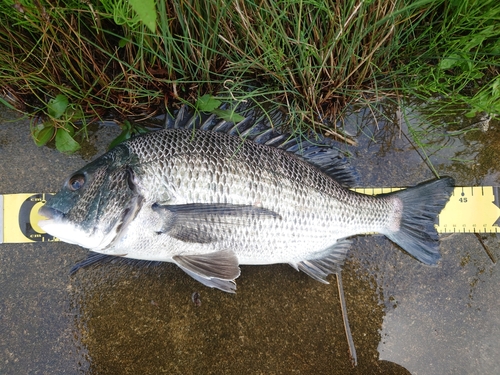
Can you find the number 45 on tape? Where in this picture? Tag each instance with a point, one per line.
(469, 210)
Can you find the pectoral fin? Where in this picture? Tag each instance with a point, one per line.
(215, 270)
(194, 222)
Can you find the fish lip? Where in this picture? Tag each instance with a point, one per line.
(50, 213)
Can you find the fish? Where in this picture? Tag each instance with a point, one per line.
(209, 195)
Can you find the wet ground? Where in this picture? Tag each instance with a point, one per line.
(406, 318)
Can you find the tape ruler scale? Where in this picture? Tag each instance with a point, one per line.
(19, 218)
(469, 210)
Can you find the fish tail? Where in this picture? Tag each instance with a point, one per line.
(421, 204)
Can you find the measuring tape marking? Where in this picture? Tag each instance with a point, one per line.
(19, 218)
(471, 209)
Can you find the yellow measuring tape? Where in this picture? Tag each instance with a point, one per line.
(469, 210)
(19, 218)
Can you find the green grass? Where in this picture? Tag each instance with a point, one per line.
(314, 58)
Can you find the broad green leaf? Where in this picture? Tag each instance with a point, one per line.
(57, 106)
(228, 115)
(74, 113)
(65, 142)
(450, 61)
(140, 130)
(495, 89)
(43, 134)
(124, 135)
(207, 103)
(146, 10)
(123, 42)
(475, 74)
(473, 42)
(471, 113)
(68, 126)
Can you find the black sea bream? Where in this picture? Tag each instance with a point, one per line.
(209, 201)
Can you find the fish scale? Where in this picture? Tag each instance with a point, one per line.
(209, 201)
(234, 187)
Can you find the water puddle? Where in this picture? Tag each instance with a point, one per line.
(436, 319)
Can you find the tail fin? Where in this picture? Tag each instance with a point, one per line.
(421, 205)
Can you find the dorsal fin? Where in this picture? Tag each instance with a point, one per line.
(263, 128)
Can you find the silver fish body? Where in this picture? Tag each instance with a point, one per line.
(209, 201)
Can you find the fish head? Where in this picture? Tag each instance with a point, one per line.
(95, 203)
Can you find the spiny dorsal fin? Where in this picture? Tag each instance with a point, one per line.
(263, 128)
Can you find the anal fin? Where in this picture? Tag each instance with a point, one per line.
(321, 267)
(228, 286)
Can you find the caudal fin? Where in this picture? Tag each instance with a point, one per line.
(421, 205)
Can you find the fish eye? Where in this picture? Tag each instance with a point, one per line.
(76, 182)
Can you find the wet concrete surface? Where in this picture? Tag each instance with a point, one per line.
(406, 318)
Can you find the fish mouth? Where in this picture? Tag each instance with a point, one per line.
(50, 217)
(57, 225)
(50, 213)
